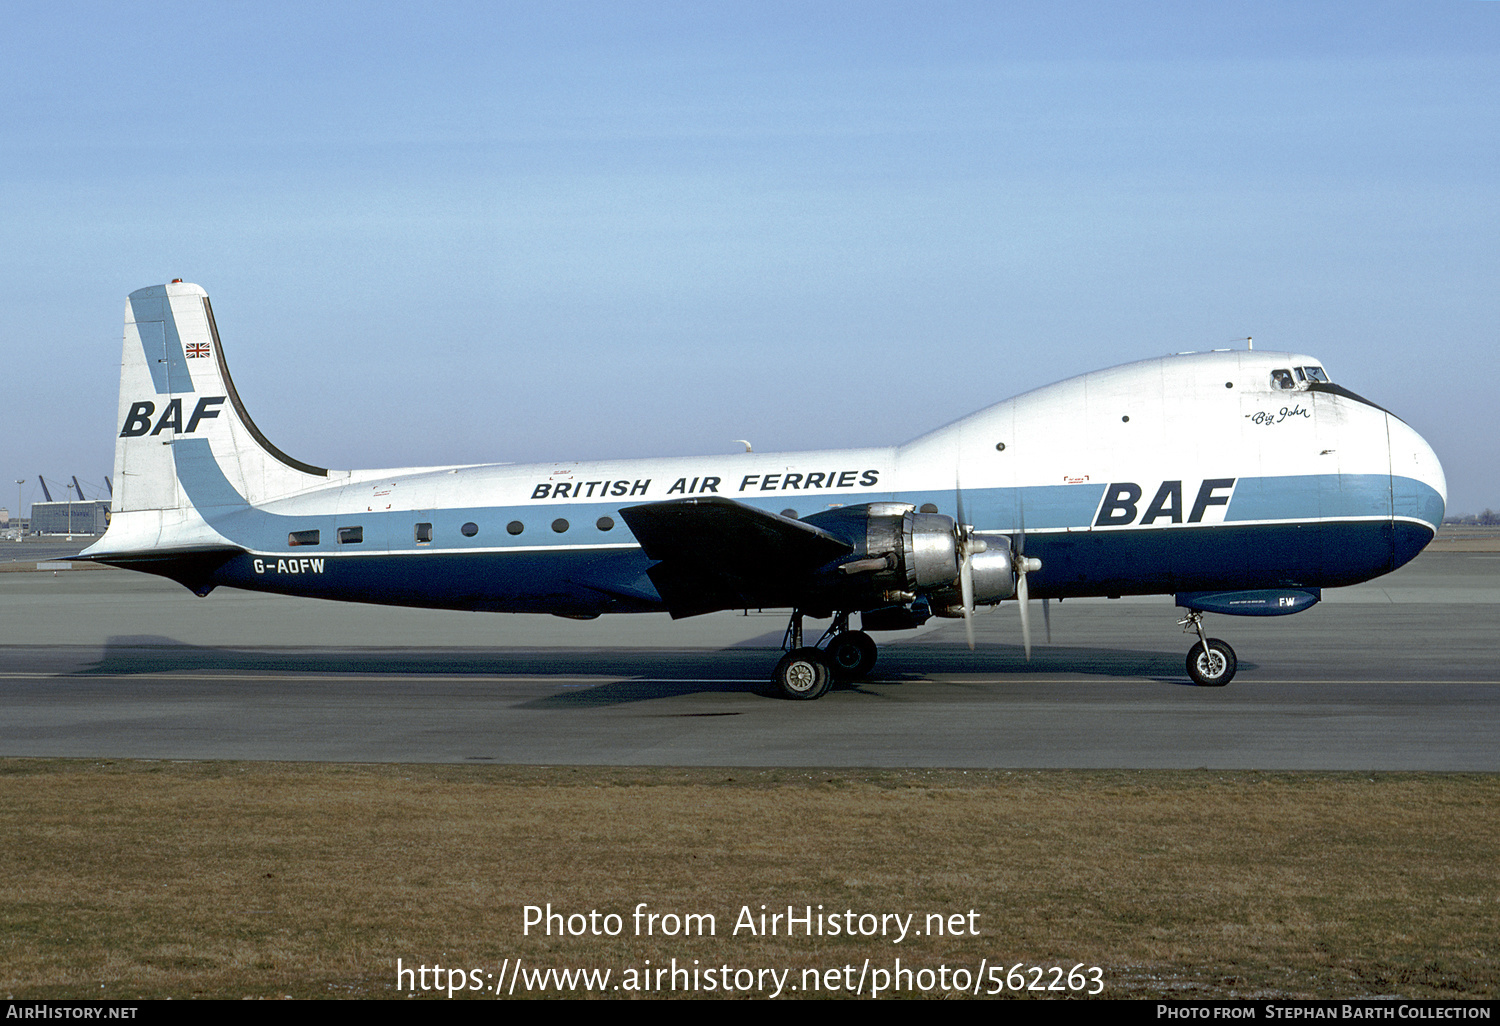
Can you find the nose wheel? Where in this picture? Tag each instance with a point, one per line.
(1211, 663)
(1211, 667)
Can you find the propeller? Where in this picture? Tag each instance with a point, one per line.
(1023, 566)
(968, 547)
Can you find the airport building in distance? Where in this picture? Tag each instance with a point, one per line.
(91, 517)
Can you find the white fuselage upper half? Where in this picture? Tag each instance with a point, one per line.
(1187, 418)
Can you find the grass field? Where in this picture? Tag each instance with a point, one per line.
(152, 879)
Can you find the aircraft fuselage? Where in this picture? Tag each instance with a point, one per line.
(1197, 474)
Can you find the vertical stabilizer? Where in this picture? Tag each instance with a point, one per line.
(182, 434)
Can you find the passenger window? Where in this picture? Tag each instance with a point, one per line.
(422, 533)
(1282, 379)
(351, 535)
(302, 538)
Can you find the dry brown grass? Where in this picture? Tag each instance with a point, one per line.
(241, 879)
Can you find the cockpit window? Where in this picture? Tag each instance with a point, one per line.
(1282, 379)
(1315, 374)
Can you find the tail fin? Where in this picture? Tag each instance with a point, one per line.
(185, 448)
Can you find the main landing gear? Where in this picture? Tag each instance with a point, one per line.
(806, 672)
(1211, 663)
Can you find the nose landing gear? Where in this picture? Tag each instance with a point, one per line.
(1211, 663)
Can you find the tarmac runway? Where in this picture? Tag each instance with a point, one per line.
(1402, 673)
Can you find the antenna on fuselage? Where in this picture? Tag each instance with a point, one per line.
(745, 443)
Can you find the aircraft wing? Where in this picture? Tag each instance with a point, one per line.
(715, 553)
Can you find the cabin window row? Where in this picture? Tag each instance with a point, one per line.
(422, 533)
(346, 536)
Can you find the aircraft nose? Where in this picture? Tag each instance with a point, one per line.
(1419, 490)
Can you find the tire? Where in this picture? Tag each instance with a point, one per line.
(1214, 668)
(852, 655)
(803, 674)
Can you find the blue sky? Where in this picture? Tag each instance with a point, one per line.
(473, 232)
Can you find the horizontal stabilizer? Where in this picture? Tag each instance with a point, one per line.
(191, 567)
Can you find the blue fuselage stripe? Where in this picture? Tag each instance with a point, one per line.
(1316, 531)
(1156, 561)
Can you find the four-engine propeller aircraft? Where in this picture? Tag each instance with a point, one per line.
(1241, 482)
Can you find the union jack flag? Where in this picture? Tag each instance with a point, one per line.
(197, 349)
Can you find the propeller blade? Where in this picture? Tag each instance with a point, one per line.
(1047, 619)
(1023, 590)
(1023, 596)
(967, 546)
(966, 586)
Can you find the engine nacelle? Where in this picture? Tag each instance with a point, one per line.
(906, 554)
(921, 549)
(994, 576)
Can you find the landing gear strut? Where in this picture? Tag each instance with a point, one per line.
(806, 672)
(803, 673)
(1211, 663)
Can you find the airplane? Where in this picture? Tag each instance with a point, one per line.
(1241, 482)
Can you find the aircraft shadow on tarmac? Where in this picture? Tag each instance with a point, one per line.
(632, 675)
(917, 668)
